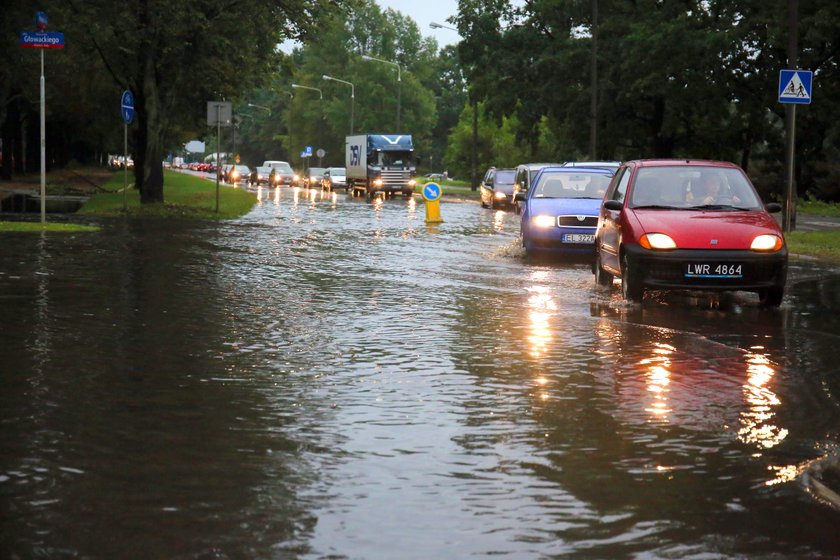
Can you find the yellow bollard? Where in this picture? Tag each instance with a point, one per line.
(431, 194)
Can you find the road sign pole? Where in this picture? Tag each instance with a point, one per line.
(43, 144)
(218, 143)
(790, 215)
(125, 167)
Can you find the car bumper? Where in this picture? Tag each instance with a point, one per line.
(668, 269)
(551, 240)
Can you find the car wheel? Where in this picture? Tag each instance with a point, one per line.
(602, 277)
(771, 297)
(631, 285)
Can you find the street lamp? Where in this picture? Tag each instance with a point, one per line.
(435, 25)
(260, 107)
(399, 83)
(352, 96)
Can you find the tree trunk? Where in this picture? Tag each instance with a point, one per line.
(148, 150)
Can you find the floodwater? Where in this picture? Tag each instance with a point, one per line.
(331, 378)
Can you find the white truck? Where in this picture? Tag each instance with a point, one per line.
(380, 163)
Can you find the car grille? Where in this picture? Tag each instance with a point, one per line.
(395, 179)
(575, 221)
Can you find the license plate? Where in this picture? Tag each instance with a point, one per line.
(579, 238)
(714, 270)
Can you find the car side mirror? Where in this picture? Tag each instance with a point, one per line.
(773, 207)
(519, 197)
(613, 205)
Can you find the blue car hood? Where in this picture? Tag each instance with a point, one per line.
(564, 206)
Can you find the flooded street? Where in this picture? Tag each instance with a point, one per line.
(331, 378)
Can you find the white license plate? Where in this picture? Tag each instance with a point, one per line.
(714, 270)
(579, 238)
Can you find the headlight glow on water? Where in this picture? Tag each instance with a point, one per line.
(544, 221)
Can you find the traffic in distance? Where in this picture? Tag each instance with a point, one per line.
(651, 224)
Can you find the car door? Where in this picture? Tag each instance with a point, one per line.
(608, 236)
(487, 188)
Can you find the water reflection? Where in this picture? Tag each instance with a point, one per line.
(658, 376)
(756, 422)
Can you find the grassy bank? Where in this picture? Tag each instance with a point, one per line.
(823, 245)
(450, 187)
(29, 227)
(184, 196)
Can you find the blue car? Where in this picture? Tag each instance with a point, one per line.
(560, 210)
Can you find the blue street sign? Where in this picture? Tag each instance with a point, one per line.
(127, 107)
(308, 150)
(41, 40)
(432, 192)
(795, 86)
(41, 20)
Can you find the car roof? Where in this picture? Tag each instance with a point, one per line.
(595, 170)
(681, 162)
(592, 164)
(540, 165)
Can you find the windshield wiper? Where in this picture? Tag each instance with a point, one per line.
(717, 207)
(657, 207)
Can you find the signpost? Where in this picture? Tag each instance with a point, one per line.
(795, 87)
(127, 113)
(42, 40)
(219, 113)
(431, 194)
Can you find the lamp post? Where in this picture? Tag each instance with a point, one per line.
(260, 107)
(399, 83)
(321, 102)
(352, 96)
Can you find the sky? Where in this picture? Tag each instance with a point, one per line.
(426, 11)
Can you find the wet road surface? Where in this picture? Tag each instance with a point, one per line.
(331, 378)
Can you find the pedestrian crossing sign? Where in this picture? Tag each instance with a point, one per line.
(795, 86)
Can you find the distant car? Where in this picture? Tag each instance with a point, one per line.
(312, 178)
(525, 173)
(682, 224)
(224, 172)
(334, 178)
(560, 211)
(281, 174)
(496, 189)
(239, 174)
(259, 175)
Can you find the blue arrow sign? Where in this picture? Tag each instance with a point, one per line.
(127, 107)
(432, 192)
(795, 86)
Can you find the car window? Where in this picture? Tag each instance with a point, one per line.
(571, 185)
(504, 177)
(621, 189)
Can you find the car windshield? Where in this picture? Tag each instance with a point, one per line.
(264, 170)
(571, 185)
(505, 177)
(284, 169)
(243, 169)
(337, 171)
(693, 187)
(316, 171)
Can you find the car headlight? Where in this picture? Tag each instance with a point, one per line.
(234, 174)
(767, 242)
(377, 182)
(500, 195)
(296, 179)
(544, 221)
(657, 241)
(412, 182)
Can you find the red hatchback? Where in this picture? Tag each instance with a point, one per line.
(696, 225)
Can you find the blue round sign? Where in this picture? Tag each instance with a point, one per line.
(432, 192)
(127, 107)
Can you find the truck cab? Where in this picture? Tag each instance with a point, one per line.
(380, 163)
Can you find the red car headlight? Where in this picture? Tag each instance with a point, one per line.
(767, 242)
(657, 241)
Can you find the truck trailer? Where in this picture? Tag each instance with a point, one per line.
(380, 163)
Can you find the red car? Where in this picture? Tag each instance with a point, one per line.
(682, 224)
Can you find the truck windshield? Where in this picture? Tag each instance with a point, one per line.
(394, 159)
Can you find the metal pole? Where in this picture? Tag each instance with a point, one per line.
(789, 217)
(352, 104)
(218, 147)
(43, 144)
(125, 166)
(399, 96)
(474, 158)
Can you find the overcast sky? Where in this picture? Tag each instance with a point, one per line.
(426, 11)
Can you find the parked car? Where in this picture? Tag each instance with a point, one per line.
(681, 224)
(281, 174)
(496, 189)
(560, 210)
(260, 175)
(312, 177)
(334, 178)
(239, 174)
(525, 173)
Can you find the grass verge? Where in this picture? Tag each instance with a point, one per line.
(820, 244)
(818, 208)
(452, 188)
(29, 227)
(185, 196)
